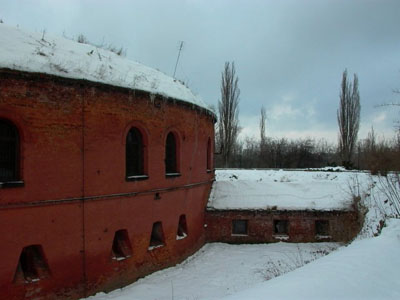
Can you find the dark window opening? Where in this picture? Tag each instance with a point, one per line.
(9, 152)
(157, 236)
(209, 155)
(134, 153)
(170, 155)
(32, 265)
(121, 247)
(239, 227)
(182, 228)
(322, 228)
(281, 227)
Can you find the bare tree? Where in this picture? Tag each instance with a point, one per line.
(348, 116)
(263, 118)
(228, 127)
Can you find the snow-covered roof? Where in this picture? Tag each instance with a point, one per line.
(34, 52)
(282, 190)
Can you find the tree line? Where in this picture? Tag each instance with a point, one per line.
(371, 153)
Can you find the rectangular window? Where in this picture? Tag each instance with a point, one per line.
(281, 227)
(239, 227)
(322, 228)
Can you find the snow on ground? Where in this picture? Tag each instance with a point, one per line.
(288, 190)
(218, 270)
(37, 52)
(368, 268)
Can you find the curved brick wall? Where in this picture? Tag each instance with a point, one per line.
(74, 196)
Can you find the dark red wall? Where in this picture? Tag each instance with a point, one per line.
(343, 226)
(75, 195)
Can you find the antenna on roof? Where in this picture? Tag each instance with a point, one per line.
(177, 60)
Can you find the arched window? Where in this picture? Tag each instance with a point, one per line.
(9, 152)
(171, 167)
(135, 155)
(209, 155)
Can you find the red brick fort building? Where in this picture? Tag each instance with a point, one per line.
(105, 168)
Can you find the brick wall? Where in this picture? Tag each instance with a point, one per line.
(75, 196)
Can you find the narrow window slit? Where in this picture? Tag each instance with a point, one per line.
(157, 236)
(208, 162)
(182, 228)
(9, 152)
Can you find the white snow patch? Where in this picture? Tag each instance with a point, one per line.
(281, 237)
(155, 247)
(181, 237)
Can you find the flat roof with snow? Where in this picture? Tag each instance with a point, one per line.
(42, 53)
(280, 190)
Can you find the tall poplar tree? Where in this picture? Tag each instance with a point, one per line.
(348, 116)
(228, 126)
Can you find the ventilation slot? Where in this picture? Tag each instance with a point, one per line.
(32, 265)
(182, 228)
(157, 236)
(121, 247)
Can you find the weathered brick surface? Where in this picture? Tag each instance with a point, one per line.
(343, 226)
(75, 196)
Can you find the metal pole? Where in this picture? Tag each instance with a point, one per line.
(179, 53)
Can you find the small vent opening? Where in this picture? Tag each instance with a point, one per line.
(182, 228)
(32, 265)
(157, 236)
(121, 247)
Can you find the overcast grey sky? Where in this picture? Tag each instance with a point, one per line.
(289, 55)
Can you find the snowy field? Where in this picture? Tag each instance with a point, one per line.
(368, 268)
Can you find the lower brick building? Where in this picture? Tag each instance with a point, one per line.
(269, 226)
(264, 206)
